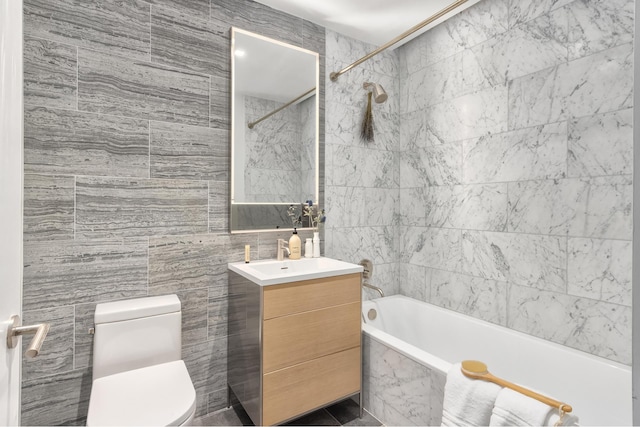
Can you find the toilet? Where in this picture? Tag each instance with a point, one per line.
(139, 377)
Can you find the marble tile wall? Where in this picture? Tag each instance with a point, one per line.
(362, 184)
(399, 390)
(272, 166)
(515, 200)
(126, 178)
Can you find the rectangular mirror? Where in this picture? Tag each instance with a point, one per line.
(274, 130)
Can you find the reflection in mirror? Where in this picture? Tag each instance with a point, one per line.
(274, 151)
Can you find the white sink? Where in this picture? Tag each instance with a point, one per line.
(272, 272)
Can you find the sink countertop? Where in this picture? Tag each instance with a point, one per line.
(273, 272)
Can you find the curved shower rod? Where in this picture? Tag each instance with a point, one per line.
(334, 75)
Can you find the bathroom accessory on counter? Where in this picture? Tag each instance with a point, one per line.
(308, 248)
(247, 253)
(316, 244)
(478, 370)
(139, 377)
(335, 74)
(295, 246)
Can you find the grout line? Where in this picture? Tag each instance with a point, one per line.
(77, 78)
(148, 252)
(149, 133)
(150, 7)
(73, 350)
(75, 207)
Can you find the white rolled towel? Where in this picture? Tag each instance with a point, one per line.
(516, 409)
(467, 402)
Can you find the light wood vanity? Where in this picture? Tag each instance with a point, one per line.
(293, 347)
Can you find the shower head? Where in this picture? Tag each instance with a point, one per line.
(379, 94)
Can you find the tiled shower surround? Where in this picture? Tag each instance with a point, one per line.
(507, 195)
(515, 176)
(126, 178)
(514, 169)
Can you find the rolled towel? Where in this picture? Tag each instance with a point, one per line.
(516, 409)
(467, 402)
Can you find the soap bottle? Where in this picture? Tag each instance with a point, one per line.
(308, 248)
(294, 245)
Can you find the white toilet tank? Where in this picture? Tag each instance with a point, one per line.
(136, 333)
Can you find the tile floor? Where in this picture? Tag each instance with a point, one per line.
(343, 413)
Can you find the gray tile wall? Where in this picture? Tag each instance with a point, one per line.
(515, 170)
(126, 178)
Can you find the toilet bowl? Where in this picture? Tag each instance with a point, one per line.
(138, 375)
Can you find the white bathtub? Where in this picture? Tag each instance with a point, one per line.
(433, 338)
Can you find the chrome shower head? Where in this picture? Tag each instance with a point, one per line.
(379, 94)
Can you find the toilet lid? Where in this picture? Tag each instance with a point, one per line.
(159, 395)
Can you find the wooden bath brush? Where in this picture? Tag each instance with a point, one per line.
(478, 371)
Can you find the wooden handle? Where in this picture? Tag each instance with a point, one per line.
(530, 393)
(478, 371)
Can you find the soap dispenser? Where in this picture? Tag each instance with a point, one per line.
(295, 246)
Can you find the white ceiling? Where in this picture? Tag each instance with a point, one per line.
(372, 21)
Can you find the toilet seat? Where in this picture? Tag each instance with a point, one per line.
(159, 395)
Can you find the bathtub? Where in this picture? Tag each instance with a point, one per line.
(410, 346)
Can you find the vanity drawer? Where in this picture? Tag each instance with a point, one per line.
(307, 295)
(301, 337)
(300, 388)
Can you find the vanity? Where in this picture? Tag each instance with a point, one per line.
(294, 336)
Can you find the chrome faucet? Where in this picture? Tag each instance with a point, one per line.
(282, 247)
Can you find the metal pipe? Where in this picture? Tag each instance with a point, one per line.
(252, 124)
(334, 75)
(375, 288)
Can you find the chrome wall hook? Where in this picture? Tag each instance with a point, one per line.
(39, 330)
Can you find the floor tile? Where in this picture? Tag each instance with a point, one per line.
(347, 413)
(343, 413)
(318, 418)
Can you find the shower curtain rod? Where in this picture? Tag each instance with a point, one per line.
(252, 124)
(334, 75)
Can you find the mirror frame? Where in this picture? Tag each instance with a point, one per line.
(316, 164)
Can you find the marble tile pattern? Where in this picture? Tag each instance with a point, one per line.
(275, 169)
(515, 181)
(398, 390)
(514, 149)
(127, 176)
